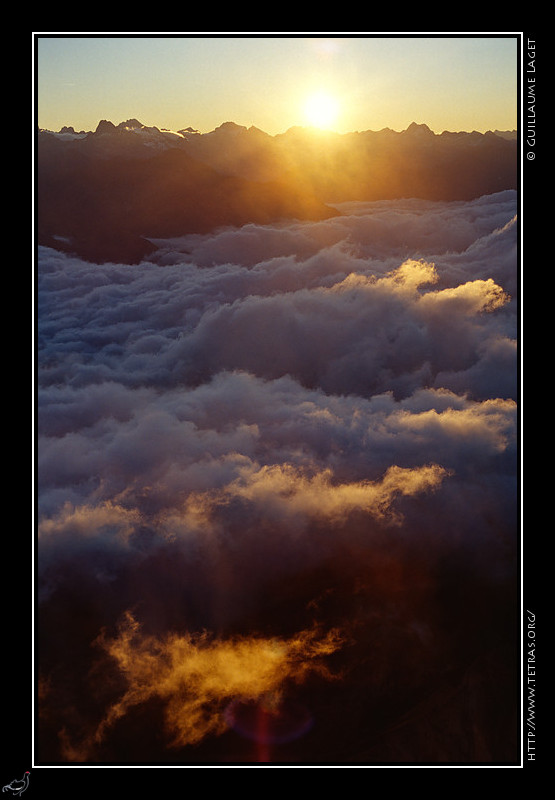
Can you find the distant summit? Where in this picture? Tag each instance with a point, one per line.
(105, 126)
(422, 129)
(131, 123)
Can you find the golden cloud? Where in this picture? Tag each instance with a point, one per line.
(284, 490)
(490, 423)
(196, 676)
(406, 278)
(91, 521)
(472, 297)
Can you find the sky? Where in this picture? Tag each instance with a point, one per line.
(449, 82)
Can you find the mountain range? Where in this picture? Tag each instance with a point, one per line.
(103, 194)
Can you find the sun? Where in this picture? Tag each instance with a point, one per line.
(321, 110)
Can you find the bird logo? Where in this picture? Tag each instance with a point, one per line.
(17, 787)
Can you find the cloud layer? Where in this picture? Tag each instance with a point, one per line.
(265, 430)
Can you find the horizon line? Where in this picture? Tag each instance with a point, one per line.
(312, 128)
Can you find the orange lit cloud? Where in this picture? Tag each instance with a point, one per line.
(491, 423)
(471, 298)
(284, 491)
(108, 518)
(196, 676)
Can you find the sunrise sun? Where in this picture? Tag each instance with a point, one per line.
(321, 110)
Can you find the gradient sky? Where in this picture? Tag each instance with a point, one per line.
(449, 82)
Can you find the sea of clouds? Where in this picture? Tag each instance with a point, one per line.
(264, 448)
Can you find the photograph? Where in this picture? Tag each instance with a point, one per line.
(277, 507)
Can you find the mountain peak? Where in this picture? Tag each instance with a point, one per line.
(229, 127)
(131, 123)
(414, 127)
(105, 126)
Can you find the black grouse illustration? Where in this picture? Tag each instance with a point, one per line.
(17, 787)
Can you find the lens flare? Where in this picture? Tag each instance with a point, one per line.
(268, 721)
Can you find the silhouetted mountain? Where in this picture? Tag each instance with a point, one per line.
(103, 193)
(100, 199)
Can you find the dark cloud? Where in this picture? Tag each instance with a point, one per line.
(273, 435)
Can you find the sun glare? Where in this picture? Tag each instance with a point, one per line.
(321, 110)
